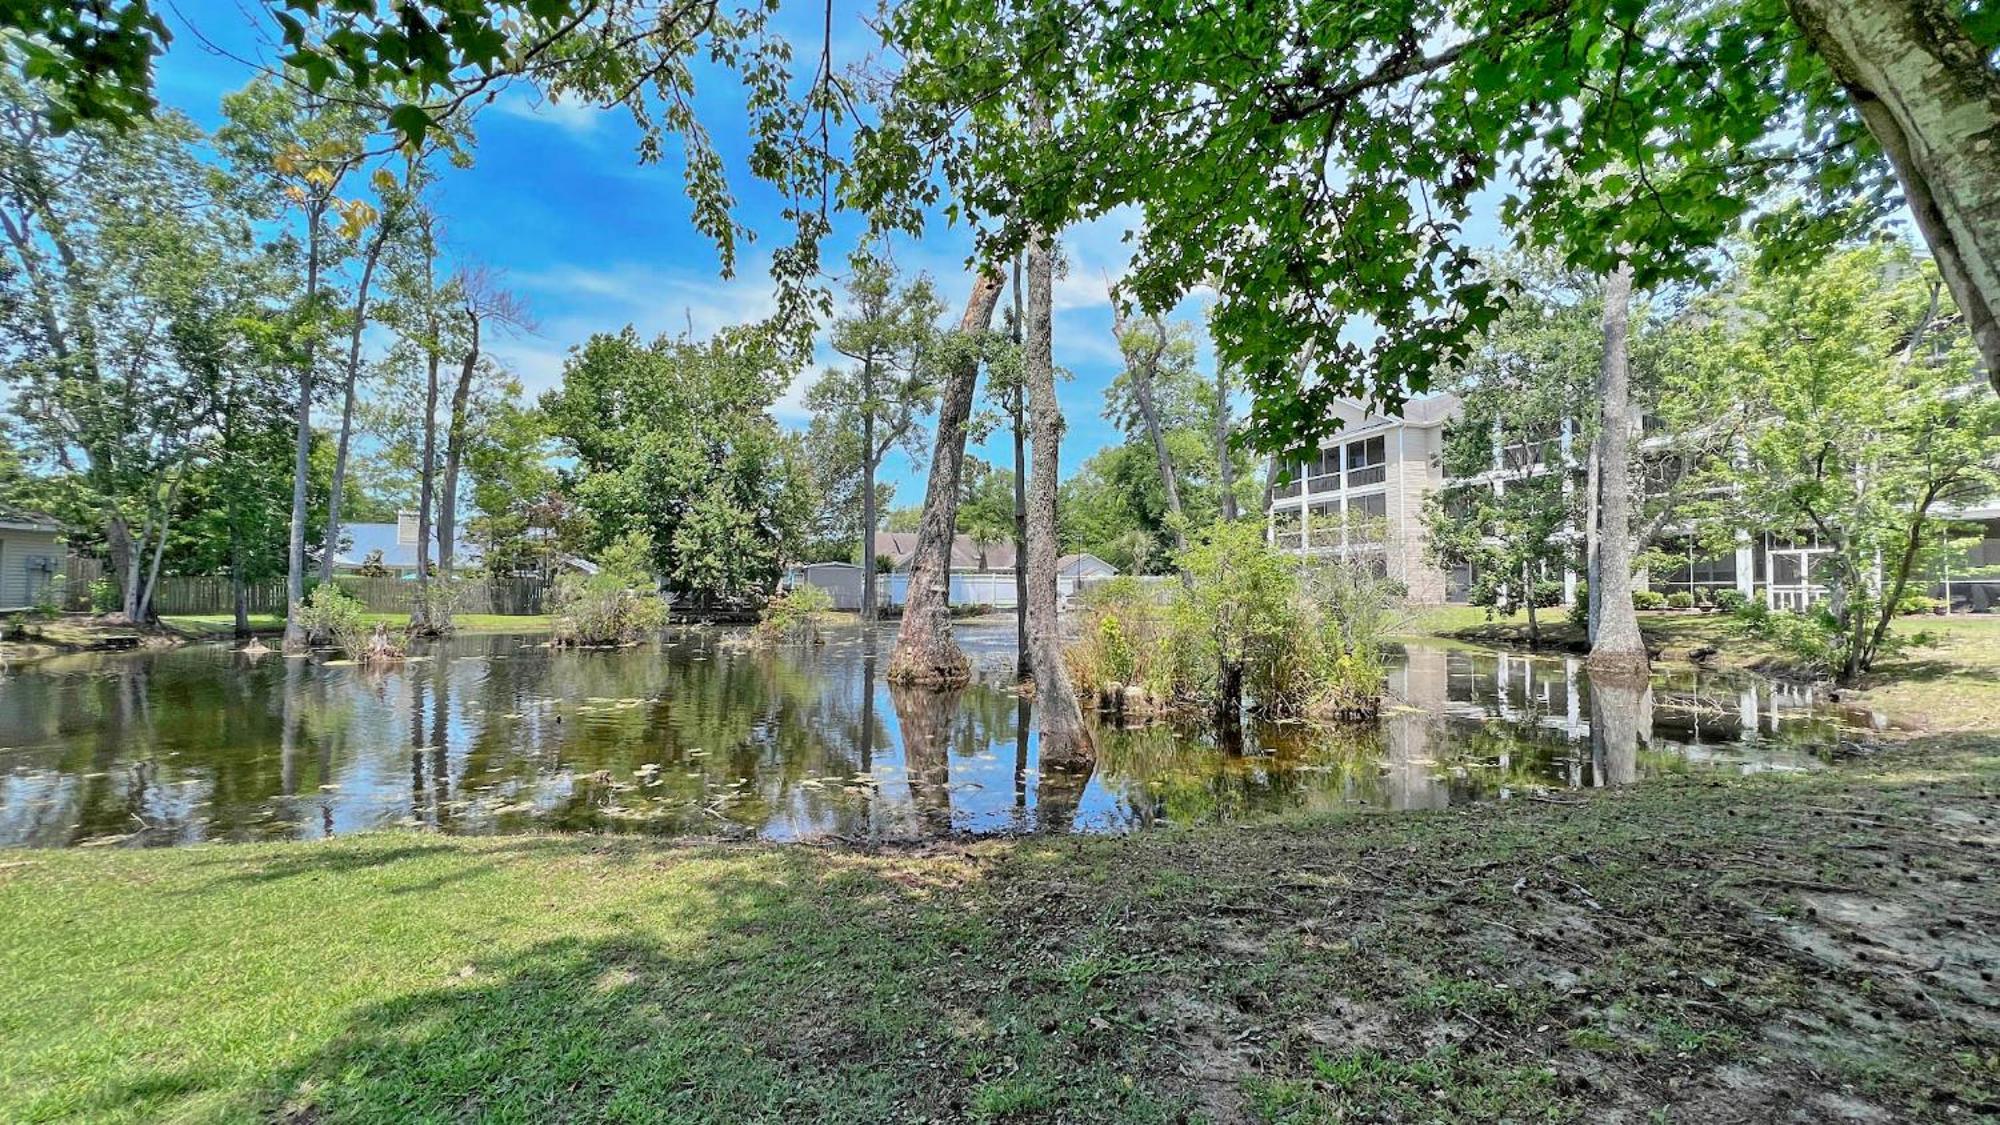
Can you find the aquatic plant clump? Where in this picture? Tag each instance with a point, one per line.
(331, 613)
(1246, 622)
(794, 616)
(617, 605)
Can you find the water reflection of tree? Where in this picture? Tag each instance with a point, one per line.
(926, 718)
(1619, 718)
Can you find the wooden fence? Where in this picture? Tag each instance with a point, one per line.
(207, 595)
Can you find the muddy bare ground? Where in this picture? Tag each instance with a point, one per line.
(1778, 949)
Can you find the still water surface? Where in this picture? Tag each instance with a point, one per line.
(701, 735)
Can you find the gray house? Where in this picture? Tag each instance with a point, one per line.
(31, 557)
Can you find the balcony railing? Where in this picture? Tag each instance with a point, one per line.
(1367, 474)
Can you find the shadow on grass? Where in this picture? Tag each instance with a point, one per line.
(743, 997)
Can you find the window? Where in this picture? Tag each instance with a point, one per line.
(1368, 519)
(1323, 524)
(1323, 471)
(1366, 462)
(1284, 489)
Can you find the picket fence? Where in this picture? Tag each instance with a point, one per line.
(213, 594)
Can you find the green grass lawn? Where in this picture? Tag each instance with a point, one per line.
(224, 624)
(1771, 948)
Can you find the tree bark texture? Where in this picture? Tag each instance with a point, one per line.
(1065, 741)
(339, 484)
(925, 652)
(1619, 649)
(1931, 97)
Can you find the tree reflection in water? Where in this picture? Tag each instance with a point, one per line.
(701, 735)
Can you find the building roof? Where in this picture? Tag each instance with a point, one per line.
(1081, 562)
(12, 519)
(898, 546)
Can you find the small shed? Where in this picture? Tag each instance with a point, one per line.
(840, 580)
(1073, 572)
(31, 557)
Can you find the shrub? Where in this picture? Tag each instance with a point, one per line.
(332, 613)
(793, 617)
(1730, 600)
(1648, 599)
(1248, 621)
(1548, 593)
(1579, 610)
(105, 596)
(49, 599)
(616, 605)
(1919, 603)
(1680, 599)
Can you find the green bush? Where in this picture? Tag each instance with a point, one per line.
(616, 605)
(1919, 603)
(1730, 600)
(794, 616)
(1295, 639)
(1579, 610)
(1648, 599)
(336, 615)
(1680, 599)
(105, 596)
(49, 599)
(1548, 593)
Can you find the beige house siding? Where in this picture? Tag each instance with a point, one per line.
(18, 552)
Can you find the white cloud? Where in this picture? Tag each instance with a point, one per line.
(579, 119)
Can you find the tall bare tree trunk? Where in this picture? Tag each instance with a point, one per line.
(1065, 741)
(1024, 662)
(454, 457)
(295, 550)
(925, 652)
(1930, 95)
(869, 609)
(339, 485)
(420, 617)
(1225, 468)
(1619, 649)
(1591, 532)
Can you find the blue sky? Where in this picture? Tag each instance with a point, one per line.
(557, 202)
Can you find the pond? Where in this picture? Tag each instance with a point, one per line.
(698, 734)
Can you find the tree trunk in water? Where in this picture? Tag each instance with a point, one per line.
(925, 652)
(868, 605)
(339, 483)
(295, 550)
(1591, 531)
(1065, 741)
(1931, 97)
(1619, 649)
(1024, 663)
(420, 617)
(1225, 469)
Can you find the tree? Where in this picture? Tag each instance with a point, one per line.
(674, 441)
(986, 505)
(1064, 737)
(1617, 649)
(300, 147)
(481, 303)
(1865, 434)
(925, 652)
(888, 337)
(1644, 133)
(130, 287)
(1526, 404)
(1152, 352)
